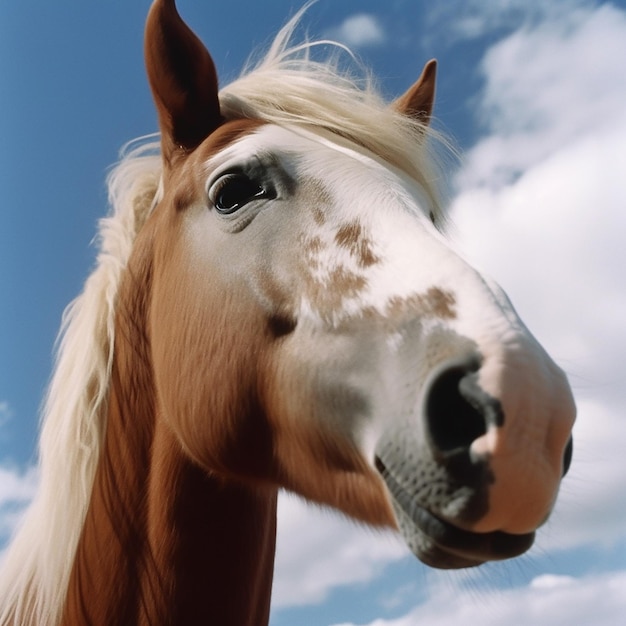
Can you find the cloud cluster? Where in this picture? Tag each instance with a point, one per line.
(318, 550)
(546, 89)
(473, 19)
(358, 31)
(548, 600)
(17, 489)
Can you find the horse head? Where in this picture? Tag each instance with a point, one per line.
(312, 328)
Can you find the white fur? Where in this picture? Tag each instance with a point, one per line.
(392, 208)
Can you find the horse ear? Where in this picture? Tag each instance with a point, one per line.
(419, 99)
(182, 78)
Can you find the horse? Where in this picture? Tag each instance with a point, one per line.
(275, 305)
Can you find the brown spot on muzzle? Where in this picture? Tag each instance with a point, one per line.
(312, 245)
(350, 236)
(329, 295)
(435, 303)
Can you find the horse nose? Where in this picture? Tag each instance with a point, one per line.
(458, 412)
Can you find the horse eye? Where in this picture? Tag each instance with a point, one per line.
(233, 191)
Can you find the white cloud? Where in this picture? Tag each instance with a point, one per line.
(545, 88)
(358, 31)
(546, 601)
(17, 486)
(17, 489)
(319, 550)
(472, 19)
(553, 237)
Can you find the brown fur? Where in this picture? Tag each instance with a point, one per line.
(181, 525)
(148, 552)
(351, 237)
(435, 302)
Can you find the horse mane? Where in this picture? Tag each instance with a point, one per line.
(287, 86)
(37, 566)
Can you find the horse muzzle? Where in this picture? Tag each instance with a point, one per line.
(445, 489)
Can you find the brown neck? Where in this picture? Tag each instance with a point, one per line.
(163, 541)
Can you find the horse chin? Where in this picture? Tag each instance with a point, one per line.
(439, 543)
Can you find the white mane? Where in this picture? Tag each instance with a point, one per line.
(37, 566)
(287, 86)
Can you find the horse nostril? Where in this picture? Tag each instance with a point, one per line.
(567, 455)
(457, 410)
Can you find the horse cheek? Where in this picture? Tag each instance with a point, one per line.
(207, 396)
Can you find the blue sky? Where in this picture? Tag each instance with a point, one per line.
(533, 93)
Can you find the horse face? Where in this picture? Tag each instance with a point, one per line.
(377, 365)
(311, 328)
